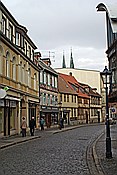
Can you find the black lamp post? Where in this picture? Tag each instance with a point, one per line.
(106, 79)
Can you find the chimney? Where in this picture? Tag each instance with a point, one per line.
(70, 73)
(46, 61)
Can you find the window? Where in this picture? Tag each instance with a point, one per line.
(22, 42)
(25, 49)
(85, 101)
(80, 100)
(32, 56)
(67, 97)
(64, 97)
(29, 52)
(44, 98)
(49, 79)
(23, 74)
(41, 77)
(72, 98)
(35, 81)
(17, 39)
(14, 68)
(1, 61)
(29, 77)
(3, 25)
(60, 97)
(74, 112)
(52, 81)
(55, 82)
(7, 64)
(10, 32)
(44, 77)
(48, 99)
(53, 99)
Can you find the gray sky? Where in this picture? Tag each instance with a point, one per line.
(57, 25)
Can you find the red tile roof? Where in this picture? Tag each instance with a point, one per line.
(71, 81)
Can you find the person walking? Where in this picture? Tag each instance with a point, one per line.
(23, 127)
(42, 123)
(32, 125)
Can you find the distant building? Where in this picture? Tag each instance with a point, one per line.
(48, 88)
(79, 103)
(90, 77)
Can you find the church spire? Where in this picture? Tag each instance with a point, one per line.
(63, 64)
(71, 61)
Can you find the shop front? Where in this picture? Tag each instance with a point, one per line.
(9, 115)
(50, 115)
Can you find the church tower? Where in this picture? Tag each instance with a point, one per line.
(63, 64)
(71, 61)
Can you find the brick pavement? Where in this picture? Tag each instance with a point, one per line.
(105, 166)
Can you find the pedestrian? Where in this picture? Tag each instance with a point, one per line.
(32, 125)
(42, 123)
(23, 127)
(61, 123)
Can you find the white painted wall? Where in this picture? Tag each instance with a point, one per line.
(90, 77)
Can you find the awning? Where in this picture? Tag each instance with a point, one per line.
(12, 98)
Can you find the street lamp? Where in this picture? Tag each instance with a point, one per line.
(106, 79)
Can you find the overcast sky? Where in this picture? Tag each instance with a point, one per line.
(57, 25)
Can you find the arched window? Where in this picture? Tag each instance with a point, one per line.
(14, 68)
(29, 77)
(35, 81)
(7, 64)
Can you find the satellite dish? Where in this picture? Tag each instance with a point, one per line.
(2, 93)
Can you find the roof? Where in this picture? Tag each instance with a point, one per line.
(111, 10)
(64, 87)
(46, 67)
(73, 85)
(91, 91)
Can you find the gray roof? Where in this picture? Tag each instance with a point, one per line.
(111, 10)
(47, 68)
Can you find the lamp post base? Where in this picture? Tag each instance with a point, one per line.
(108, 148)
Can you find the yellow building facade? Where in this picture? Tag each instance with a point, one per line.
(17, 72)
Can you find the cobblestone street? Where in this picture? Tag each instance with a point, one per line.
(58, 154)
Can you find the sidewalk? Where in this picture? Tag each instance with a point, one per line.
(7, 141)
(108, 166)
